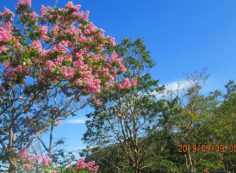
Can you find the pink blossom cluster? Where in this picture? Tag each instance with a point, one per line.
(28, 162)
(98, 102)
(82, 165)
(127, 83)
(12, 72)
(32, 15)
(7, 13)
(26, 167)
(46, 161)
(25, 157)
(24, 2)
(6, 32)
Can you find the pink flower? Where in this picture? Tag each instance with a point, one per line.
(50, 64)
(91, 27)
(24, 2)
(134, 82)
(101, 47)
(19, 46)
(81, 164)
(105, 71)
(96, 169)
(61, 47)
(112, 41)
(6, 13)
(28, 2)
(125, 84)
(43, 30)
(33, 15)
(123, 68)
(5, 34)
(89, 166)
(98, 102)
(26, 167)
(53, 171)
(3, 49)
(111, 77)
(24, 155)
(85, 15)
(82, 39)
(18, 69)
(37, 45)
(6, 64)
(114, 56)
(109, 84)
(97, 57)
(46, 161)
(69, 4)
(79, 82)
(93, 85)
(45, 38)
(68, 72)
(43, 10)
(101, 34)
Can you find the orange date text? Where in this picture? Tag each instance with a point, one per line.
(219, 148)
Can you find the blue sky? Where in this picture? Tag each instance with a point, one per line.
(182, 36)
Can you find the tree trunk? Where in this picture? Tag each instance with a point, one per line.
(12, 169)
(11, 153)
(50, 140)
(137, 170)
(137, 167)
(12, 160)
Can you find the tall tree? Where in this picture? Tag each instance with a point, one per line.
(128, 118)
(51, 65)
(186, 121)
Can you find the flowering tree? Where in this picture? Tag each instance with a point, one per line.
(52, 65)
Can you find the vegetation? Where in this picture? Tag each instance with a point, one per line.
(152, 130)
(55, 63)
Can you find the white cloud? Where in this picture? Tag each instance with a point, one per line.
(173, 88)
(77, 121)
(177, 85)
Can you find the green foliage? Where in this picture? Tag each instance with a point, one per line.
(190, 118)
(127, 118)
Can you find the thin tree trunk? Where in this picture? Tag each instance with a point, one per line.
(12, 160)
(50, 141)
(137, 169)
(190, 161)
(12, 169)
